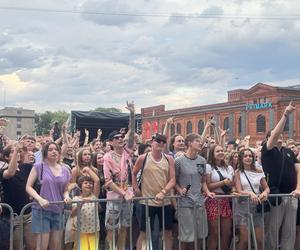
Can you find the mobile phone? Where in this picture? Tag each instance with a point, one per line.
(188, 187)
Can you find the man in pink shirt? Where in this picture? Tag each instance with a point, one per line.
(118, 213)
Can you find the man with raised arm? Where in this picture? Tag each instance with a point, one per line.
(115, 168)
(282, 172)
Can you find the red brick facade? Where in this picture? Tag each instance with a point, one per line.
(244, 113)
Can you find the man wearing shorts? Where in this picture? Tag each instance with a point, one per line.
(157, 180)
(115, 168)
(190, 182)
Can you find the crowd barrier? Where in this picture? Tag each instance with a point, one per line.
(202, 244)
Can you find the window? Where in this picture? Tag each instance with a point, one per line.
(172, 129)
(162, 128)
(240, 125)
(189, 127)
(255, 101)
(19, 125)
(178, 128)
(200, 127)
(226, 123)
(19, 119)
(19, 112)
(19, 133)
(261, 124)
(287, 125)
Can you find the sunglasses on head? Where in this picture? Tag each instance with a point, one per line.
(117, 137)
(160, 141)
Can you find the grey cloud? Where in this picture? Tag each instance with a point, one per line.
(4, 39)
(20, 57)
(108, 12)
(213, 10)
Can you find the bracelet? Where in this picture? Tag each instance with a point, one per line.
(163, 191)
(285, 114)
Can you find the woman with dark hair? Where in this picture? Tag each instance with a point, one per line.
(47, 219)
(14, 177)
(233, 159)
(97, 161)
(219, 178)
(248, 179)
(96, 146)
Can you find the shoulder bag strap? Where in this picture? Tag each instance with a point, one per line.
(249, 182)
(42, 171)
(219, 173)
(142, 169)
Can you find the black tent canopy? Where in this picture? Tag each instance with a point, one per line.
(107, 121)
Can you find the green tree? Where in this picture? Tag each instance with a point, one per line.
(112, 109)
(44, 121)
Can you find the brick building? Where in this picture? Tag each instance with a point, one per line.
(247, 112)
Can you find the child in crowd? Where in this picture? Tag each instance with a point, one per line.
(89, 219)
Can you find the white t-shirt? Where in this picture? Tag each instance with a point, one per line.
(227, 172)
(254, 178)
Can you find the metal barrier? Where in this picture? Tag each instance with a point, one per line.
(11, 228)
(247, 215)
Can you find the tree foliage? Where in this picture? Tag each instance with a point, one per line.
(44, 121)
(112, 109)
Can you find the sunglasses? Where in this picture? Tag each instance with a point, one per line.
(160, 141)
(118, 137)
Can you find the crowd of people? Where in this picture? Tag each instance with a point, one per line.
(192, 189)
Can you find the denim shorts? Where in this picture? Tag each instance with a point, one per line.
(45, 221)
(118, 213)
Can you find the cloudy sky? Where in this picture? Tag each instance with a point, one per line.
(82, 54)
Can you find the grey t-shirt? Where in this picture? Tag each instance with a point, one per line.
(190, 171)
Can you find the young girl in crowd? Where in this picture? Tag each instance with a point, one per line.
(97, 161)
(221, 206)
(248, 179)
(47, 219)
(84, 159)
(89, 220)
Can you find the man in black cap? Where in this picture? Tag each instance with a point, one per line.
(157, 180)
(115, 168)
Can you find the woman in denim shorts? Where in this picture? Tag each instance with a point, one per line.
(47, 219)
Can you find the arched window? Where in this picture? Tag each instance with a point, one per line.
(178, 128)
(240, 125)
(200, 127)
(287, 124)
(189, 127)
(261, 124)
(172, 129)
(226, 123)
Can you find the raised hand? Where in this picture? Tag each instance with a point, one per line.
(290, 108)
(130, 106)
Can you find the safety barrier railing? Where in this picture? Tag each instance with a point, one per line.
(10, 221)
(247, 214)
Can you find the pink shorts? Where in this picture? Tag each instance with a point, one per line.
(216, 207)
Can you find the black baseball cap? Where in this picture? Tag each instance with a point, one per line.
(159, 137)
(113, 134)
